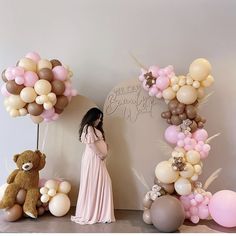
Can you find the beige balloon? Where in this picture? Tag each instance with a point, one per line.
(52, 184)
(208, 81)
(36, 119)
(168, 94)
(200, 69)
(187, 94)
(28, 64)
(188, 172)
(44, 63)
(200, 93)
(42, 87)
(147, 202)
(183, 186)
(193, 157)
(165, 173)
(64, 187)
(15, 101)
(197, 168)
(47, 105)
(59, 205)
(14, 113)
(28, 95)
(23, 112)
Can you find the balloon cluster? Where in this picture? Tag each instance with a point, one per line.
(54, 193)
(38, 87)
(16, 211)
(179, 113)
(196, 205)
(183, 95)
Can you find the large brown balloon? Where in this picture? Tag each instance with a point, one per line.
(13, 214)
(35, 109)
(46, 74)
(167, 213)
(58, 87)
(62, 102)
(55, 63)
(14, 88)
(20, 198)
(4, 78)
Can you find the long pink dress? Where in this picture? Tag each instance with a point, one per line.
(95, 201)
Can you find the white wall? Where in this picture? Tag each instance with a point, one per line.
(95, 39)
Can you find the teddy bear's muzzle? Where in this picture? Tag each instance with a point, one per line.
(27, 166)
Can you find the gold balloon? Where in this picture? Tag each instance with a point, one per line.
(188, 172)
(14, 101)
(187, 94)
(200, 69)
(165, 173)
(28, 64)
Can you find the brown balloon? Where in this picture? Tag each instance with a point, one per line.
(169, 188)
(58, 87)
(46, 74)
(173, 104)
(4, 78)
(175, 120)
(193, 126)
(20, 197)
(183, 116)
(14, 88)
(62, 102)
(13, 214)
(39, 203)
(167, 213)
(41, 211)
(58, 111)
(55, 63)
(35, 109)
(191, 111)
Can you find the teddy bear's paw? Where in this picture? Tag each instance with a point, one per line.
(30, 214)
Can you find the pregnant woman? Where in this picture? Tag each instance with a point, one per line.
(95, 200)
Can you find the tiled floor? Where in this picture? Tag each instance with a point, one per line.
(127, 222)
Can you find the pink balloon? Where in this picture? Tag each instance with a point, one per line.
(200, 135)
(30, 78)
(154, 70)
(33, 56)
(47, 114)
(222, 208)
(9, 75)
(19, 80)
(171, 134)
(42, 182)
(193, 210)
(181, 135)
(18, 71)
(74, 92)
(199, 197)
(198, 147)
(4, 91)
(203, 212)
(194, 219)
(206, 148)
(159, 95)
(153, 91)
(60, 73)
(180, 143)
(162, 82)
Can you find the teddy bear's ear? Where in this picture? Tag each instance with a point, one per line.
(40, 154)
(16, 157)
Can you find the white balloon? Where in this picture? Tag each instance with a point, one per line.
(44, 198)
(52, 192)
(183, 186)
(51, 184)
(59, 205)
(43, 190)
(64, 187)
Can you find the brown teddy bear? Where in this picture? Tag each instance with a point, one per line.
(26, 177)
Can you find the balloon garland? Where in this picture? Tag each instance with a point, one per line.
(38, 87)
(179, 174)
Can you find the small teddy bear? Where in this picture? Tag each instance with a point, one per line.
(26, 177)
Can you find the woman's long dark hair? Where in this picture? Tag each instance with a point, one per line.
(89, 118)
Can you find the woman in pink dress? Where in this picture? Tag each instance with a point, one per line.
(95, 200)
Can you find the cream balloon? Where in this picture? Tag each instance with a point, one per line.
(28, 95)
(168, 94)
(51, 184)
(165, 173)
(44, 63)
(200, 69)
(194, 177)
(27, 64)
(187, 94)
(193, 157)
(59, 205)
(188, 172)
(183, 186)
(47, 105)
(44, 198)
(64, 187)
(208, 81)
(197, 169)
(14, 113)
(200, 93)
(52, 192)
(43, 190)
(42, 87)
(15, 101)
(182, 80)
(36, 119)
(23, 112)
